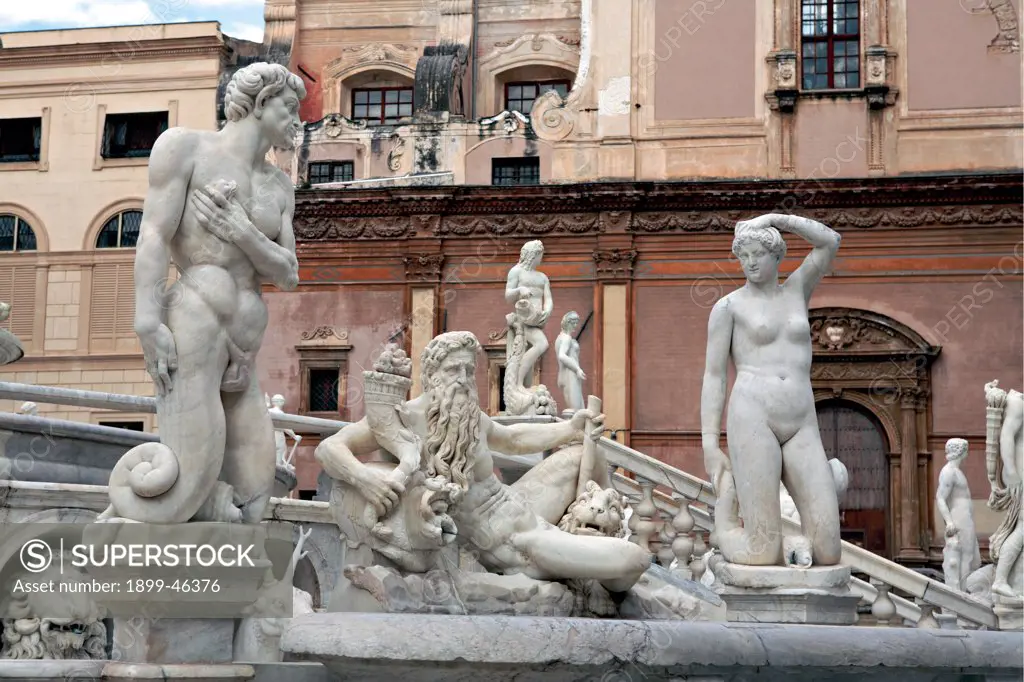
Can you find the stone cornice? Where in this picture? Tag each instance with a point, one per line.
(656, 207)
(124, 50)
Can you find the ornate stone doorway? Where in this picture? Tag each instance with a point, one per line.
(853, 435)
(882, 368)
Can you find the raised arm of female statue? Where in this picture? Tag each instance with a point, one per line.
(825, 241)
(712, 396)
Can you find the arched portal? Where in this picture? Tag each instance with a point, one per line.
(881, 370)
(855, 437)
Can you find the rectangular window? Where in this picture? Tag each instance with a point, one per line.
(381, 106)
(331, 171)
(128, 136)
(521, 95)
(323, 390)
(20, 139)
(830, 44)
(129, 426)
(517, 171)
(307, 494)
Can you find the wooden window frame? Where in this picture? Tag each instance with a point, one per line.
(521, 162)
(552, 82)
(120, 228)
(333, 165)
(383, 120)
(43, 162)
(830, 38)
(99, 161)
(35, 237)
(324, 348)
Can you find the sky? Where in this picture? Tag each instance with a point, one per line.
(238, 18)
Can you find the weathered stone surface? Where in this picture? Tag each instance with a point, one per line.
(819, 595)
(124, 672)
(462, 593)
(379, 647)
(44, 671)
(173, 640)
(779, 577)
(660, 595)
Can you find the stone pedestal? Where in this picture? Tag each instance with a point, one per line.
(125, 672)
(284, 481)
(819, 595)
(1009, 612)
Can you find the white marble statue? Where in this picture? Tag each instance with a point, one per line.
(1004, 458)
(960, 556)
(509, 528)
(258, 640)
(567, 349)
(529, 291)
(11, 349)
(772, 425)
(64, 625)
(29, 408)
(285, 457)
(223, 217)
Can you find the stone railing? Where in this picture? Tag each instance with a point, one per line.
(656, 516)
(661, 522)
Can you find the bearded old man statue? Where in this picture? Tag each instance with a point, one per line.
(510, 529)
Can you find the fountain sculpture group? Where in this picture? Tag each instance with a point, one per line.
(429, 527)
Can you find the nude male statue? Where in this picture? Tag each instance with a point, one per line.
(1004, 453)
(953, 500)
(276, 406)
(223, 216)
(513, 531)
(526, 283)
(772, 425)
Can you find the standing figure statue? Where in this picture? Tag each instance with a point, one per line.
(275, 405)
(223, 216)
(567, 349)
(1004, 459)
(772, 425)
(530, 292)
(961, 555)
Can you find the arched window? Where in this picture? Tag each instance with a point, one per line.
(16, 234)
(121, 231)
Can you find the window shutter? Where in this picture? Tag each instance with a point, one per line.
(18, 288)
(112, 309)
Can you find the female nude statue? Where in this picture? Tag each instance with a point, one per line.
(772, 428)
(570, 376)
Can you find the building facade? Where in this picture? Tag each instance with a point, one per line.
(630, 137)
(79, 111)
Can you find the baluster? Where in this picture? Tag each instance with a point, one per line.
(683, 544)
(697, 565)
(646, 511)
(883, 609)
(634, 520)
(666, 537)
(927, 620)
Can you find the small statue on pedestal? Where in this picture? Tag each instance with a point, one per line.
(285, 457)
(570, 376)
(960, 556)
(530, 291)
